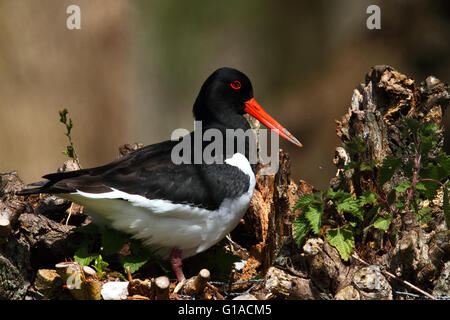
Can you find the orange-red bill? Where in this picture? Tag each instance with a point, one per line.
(253, 108)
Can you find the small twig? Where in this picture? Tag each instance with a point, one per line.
(70, 213)
(233, 243)
(196, 285)
(382, 196)
(70, 152)
(414, 181)
(433, 180)
(409, 219)
(216, 291)
(162, 288)
(418, 296)
(130, 278)
(396, 278)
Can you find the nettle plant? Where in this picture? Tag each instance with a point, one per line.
(341, 216)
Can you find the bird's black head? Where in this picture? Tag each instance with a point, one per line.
(225, 91)
(225, 96)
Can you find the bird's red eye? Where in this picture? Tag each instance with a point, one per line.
(235, 85)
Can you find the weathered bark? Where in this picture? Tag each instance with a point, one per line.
(269, 219)
(15, 270)
(33, 240)
(376, 118)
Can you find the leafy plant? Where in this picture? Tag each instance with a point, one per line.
(70, 149)
(83, 257)
(100, 265)
(347, 209)
(112, 241)
(137, 258)
(423, 170)
(342, 239)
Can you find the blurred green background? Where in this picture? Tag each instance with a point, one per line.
(132, 72)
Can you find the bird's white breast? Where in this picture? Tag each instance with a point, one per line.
(163, 225)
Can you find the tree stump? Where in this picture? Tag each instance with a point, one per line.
(375, 119)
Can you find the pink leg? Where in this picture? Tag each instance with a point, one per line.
(176, 262)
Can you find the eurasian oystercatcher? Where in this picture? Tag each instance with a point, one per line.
(177, 210)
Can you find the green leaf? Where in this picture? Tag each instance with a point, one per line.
(369, 165)
(337, 194)
(432, 172)
(391, 197)
(383, 223)
(100, 265)
(428, 143)
(83, 257)
(372, 213)
(70, 152)
(352, 224)
(444, 161)
(301, 229)
(138, 257)
(350, 205)
(388, 168)
(342, 240)
(313, 214)
(134, 262)
(420, 186)
(355, 145)
(413, 124)
(402, 187)
(428, 128)
(63, 115)
(424, 215)
(400, 204)
(113, 241)
(405, 133)
(303, 202)
(368, 197)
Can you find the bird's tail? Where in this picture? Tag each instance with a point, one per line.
(39, 188)
(54, 185)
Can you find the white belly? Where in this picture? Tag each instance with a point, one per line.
(163, 225)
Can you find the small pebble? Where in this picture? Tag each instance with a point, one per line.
(115, 290)
(238, 266)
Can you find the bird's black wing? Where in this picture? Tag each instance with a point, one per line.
(150, 172)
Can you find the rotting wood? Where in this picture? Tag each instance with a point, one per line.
(162, 288)
(197, 284)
